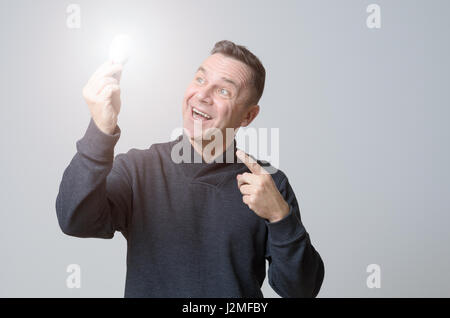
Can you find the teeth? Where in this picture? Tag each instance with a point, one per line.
(201, 113)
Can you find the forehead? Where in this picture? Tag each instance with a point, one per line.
(221, 66)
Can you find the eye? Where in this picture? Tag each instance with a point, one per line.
(200, 80)
(224, 92)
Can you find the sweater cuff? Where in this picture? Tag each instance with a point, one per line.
(286, 229)
(98, 145)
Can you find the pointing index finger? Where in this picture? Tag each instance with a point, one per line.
(249, 162)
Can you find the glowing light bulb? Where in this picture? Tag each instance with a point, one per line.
(120, 49)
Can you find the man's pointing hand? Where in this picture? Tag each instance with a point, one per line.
(259, 191)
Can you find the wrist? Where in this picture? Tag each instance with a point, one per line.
(281, 213)
(98, 145)
(106, 129)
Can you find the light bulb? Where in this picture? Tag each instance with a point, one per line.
(120, 49)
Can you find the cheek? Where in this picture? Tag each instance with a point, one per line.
(225, 111)
(190, 91)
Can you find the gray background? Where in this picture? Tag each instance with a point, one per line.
(362, 115)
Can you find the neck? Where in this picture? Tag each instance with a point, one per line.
(210, 150)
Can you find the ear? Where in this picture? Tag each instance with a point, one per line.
(249, 115)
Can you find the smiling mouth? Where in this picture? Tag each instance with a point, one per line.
(197, 114)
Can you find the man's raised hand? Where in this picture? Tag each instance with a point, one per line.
(102, 94)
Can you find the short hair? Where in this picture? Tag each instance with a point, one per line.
(241, 53)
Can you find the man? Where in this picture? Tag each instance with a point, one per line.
(193, 229)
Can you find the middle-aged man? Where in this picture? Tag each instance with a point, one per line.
(193, 229)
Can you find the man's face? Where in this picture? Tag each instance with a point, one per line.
(221, 90)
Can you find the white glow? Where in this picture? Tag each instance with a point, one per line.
(120, 49)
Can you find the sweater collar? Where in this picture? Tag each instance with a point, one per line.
(199, 171)
(226, 157)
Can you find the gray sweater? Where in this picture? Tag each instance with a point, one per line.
(188, 232)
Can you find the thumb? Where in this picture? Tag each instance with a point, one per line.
(109, 90)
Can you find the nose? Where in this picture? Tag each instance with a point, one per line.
(204, 95)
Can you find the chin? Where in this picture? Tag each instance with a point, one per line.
(188, 131)
(188, 128)
(205, 134)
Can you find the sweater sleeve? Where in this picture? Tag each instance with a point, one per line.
(295, 267)
(95, 195)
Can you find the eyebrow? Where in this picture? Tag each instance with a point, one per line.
(202, 69)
